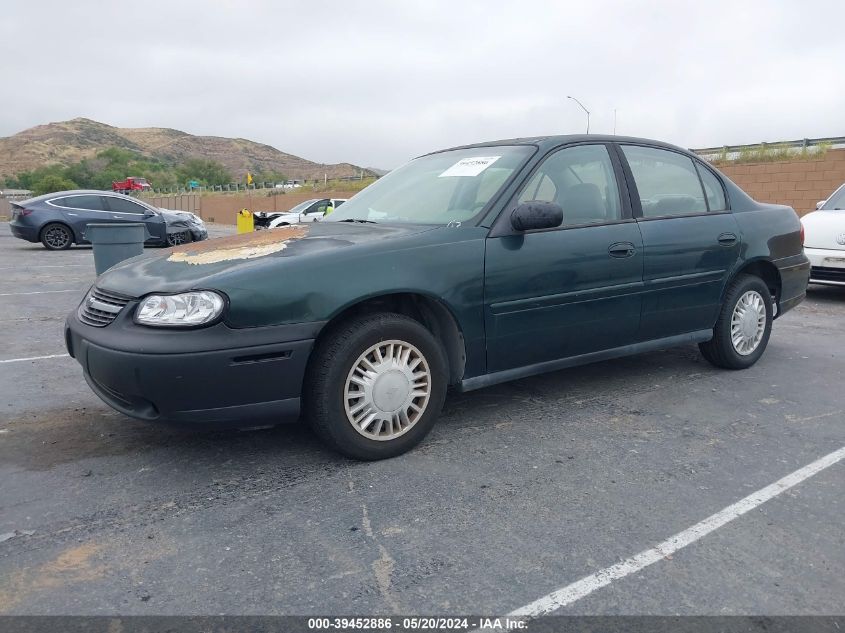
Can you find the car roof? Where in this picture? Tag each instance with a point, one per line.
(76, 192)
(547, 142)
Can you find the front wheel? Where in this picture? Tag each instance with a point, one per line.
(375, 386)
(176, 239)
(744, 325)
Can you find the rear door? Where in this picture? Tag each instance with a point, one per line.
(80, 210)
(572, 290)
(691, 239)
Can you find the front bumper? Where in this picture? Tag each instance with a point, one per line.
(828, 266)
(210, 378)
(198, 234)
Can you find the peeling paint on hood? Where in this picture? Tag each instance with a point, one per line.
(236, 247)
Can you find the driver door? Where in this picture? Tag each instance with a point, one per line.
(575, 289)
(126, 210)
(315, 212)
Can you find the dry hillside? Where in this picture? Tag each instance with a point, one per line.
(67, 142)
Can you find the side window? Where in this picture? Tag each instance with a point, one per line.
(337, 203)
(541, 187)
(318, 207)
(712, 189)
(581, 180)
(122, 205)
(667, 182)
(90, 203)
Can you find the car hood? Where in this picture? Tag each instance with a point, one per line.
(237, 260)
(170, 216)
(824, 229)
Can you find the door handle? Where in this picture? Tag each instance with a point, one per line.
(621, 249)
(727, 239)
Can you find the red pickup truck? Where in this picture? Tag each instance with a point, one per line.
(132, 183)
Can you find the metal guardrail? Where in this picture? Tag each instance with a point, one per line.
(835, 141)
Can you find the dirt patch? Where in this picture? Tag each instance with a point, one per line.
(234, 247)
(71, 566)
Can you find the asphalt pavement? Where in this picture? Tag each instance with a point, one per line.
(521, 489)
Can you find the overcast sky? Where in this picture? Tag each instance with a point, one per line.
(375, 83)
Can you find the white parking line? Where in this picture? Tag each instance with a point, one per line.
(91, 265)
(589, 584)
(40, 292)
(21, 360)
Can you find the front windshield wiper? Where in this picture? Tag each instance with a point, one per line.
(357, 220)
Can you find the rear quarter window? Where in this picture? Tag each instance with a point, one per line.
(712, 189)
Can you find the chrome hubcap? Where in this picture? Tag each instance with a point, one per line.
(56, 237)
(748, 322)
(387, 390)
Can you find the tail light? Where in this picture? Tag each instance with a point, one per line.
(20, 212)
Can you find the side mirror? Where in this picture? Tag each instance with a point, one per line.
(820, 204)
(536, 214)
(149, 213)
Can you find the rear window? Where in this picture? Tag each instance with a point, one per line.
(88, 202)
(667, 182)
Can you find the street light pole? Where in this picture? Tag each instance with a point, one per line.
(584, 109)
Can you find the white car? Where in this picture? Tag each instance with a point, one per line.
(824, 240)
(309, 211)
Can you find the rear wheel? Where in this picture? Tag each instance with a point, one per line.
(744, 325)
(56, 237)
(375, 386)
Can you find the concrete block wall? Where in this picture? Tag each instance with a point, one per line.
(799, 183)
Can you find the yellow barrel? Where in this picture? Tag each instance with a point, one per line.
(245, 221)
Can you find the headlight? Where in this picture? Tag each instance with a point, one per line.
(186, 309)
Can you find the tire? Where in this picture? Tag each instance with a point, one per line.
(752, 333)
(332, 386)
(56, 237)
(177, 239)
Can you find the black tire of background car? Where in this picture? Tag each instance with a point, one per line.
(719, 350)
(53, 230)
(330, 363)
(186, 238)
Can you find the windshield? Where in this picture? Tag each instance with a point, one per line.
(302, 206)
(436, 189)
(836, 201)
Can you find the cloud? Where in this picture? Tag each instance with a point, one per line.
(379, 82)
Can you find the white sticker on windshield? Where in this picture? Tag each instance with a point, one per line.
(470, 166)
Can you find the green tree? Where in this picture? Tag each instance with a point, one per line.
(51, 183)
(208, 172)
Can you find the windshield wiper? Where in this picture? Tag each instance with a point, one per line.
(357, 220)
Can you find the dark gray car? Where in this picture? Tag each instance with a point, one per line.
(58, 220)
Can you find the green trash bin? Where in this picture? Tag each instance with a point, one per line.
(115, 242)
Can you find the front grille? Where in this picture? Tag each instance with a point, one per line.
(825, 273)
(101, 307)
